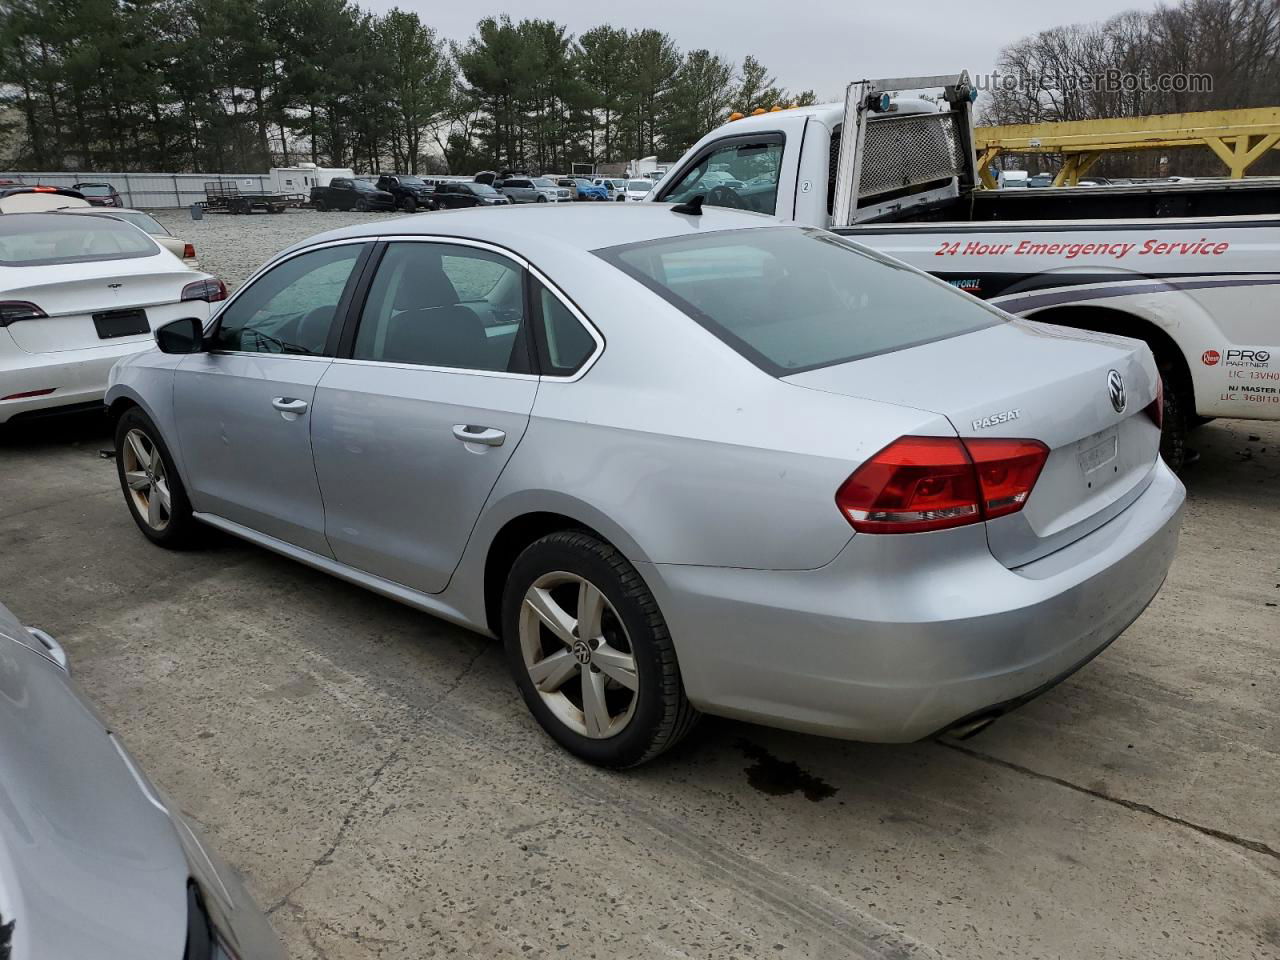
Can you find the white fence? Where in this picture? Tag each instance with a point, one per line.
(142, 190)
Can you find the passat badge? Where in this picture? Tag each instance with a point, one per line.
(1115, 387)
(995, 419)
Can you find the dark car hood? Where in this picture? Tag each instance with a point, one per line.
(90, 865)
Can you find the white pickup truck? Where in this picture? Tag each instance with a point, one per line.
(1193, 268)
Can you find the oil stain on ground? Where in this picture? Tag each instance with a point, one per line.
(778, 778)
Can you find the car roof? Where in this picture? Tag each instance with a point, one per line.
(570, 227)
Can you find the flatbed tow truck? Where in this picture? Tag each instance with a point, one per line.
(1193, 269)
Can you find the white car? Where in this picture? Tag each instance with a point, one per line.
(638, 189)
(182, 249)
(76, 295)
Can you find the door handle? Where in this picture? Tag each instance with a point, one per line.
(289, 405)
(472, 434)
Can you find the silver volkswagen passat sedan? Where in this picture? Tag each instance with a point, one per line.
(680, 462)
(95, 862)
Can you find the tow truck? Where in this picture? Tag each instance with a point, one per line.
(1192, 269)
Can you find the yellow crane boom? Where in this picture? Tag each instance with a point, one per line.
(1238, 137)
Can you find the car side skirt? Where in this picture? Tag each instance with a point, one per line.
(387, 588)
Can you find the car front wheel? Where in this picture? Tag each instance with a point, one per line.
(151, 485)
(410, 205)
(591, 653)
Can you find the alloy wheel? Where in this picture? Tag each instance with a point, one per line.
(578, 655)
(148, 482)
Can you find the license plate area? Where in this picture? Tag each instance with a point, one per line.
(1099, 450)
(121, 323)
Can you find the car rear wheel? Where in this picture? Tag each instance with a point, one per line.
(151, 485)
(410, 205)
(591, 653)
(321, 206)
(362, 206)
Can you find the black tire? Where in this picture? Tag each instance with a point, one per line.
(410, 205)
(1178, 412)
(321, 206)
(180, 530)
(362, 206)
(541, 199)
(662, 713)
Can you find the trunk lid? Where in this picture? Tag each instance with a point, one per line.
(1036, 381)
(71, 303)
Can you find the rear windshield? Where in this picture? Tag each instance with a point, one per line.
(482, 189)
(640, 186)
(142, 221)
(40, 239)
(94, 189)
(791, 299)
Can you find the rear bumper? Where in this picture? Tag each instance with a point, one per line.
(77, 377)
(900, 637)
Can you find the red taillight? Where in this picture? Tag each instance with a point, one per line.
(1007, 470)
(931, 483)
(211, 290)
(1155, 409)
(44, 189)
(11, 311)
(188, 251)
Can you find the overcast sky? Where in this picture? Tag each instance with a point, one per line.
(818, 44)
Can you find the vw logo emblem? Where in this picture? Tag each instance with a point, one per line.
(581, 652)
(1115, 387)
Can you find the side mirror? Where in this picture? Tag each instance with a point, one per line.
(181, 336)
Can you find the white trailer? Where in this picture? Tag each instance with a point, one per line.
(300, 179)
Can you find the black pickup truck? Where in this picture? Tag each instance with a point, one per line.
(411, 193)
(347, 193)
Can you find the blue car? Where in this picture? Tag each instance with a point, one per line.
(589, 191)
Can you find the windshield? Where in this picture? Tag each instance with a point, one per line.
(94, 189)
(483, 189)
(411, 182)
(36, 240)
(583, 184)
(543, 182)
(791, 299)
(363, 185)
(640, 186)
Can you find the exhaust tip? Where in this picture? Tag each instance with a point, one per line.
(967, 729)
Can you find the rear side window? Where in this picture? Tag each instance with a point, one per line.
(44, 239)
(441, 305)
(791, 299)
(564, 343)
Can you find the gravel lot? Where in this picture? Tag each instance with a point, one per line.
(377, 777)
(233, 247)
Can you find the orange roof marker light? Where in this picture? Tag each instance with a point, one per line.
(758, 111)
(735, 115)
(775, 109)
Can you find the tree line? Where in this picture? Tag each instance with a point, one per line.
(1234, 43)
(240, 85)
